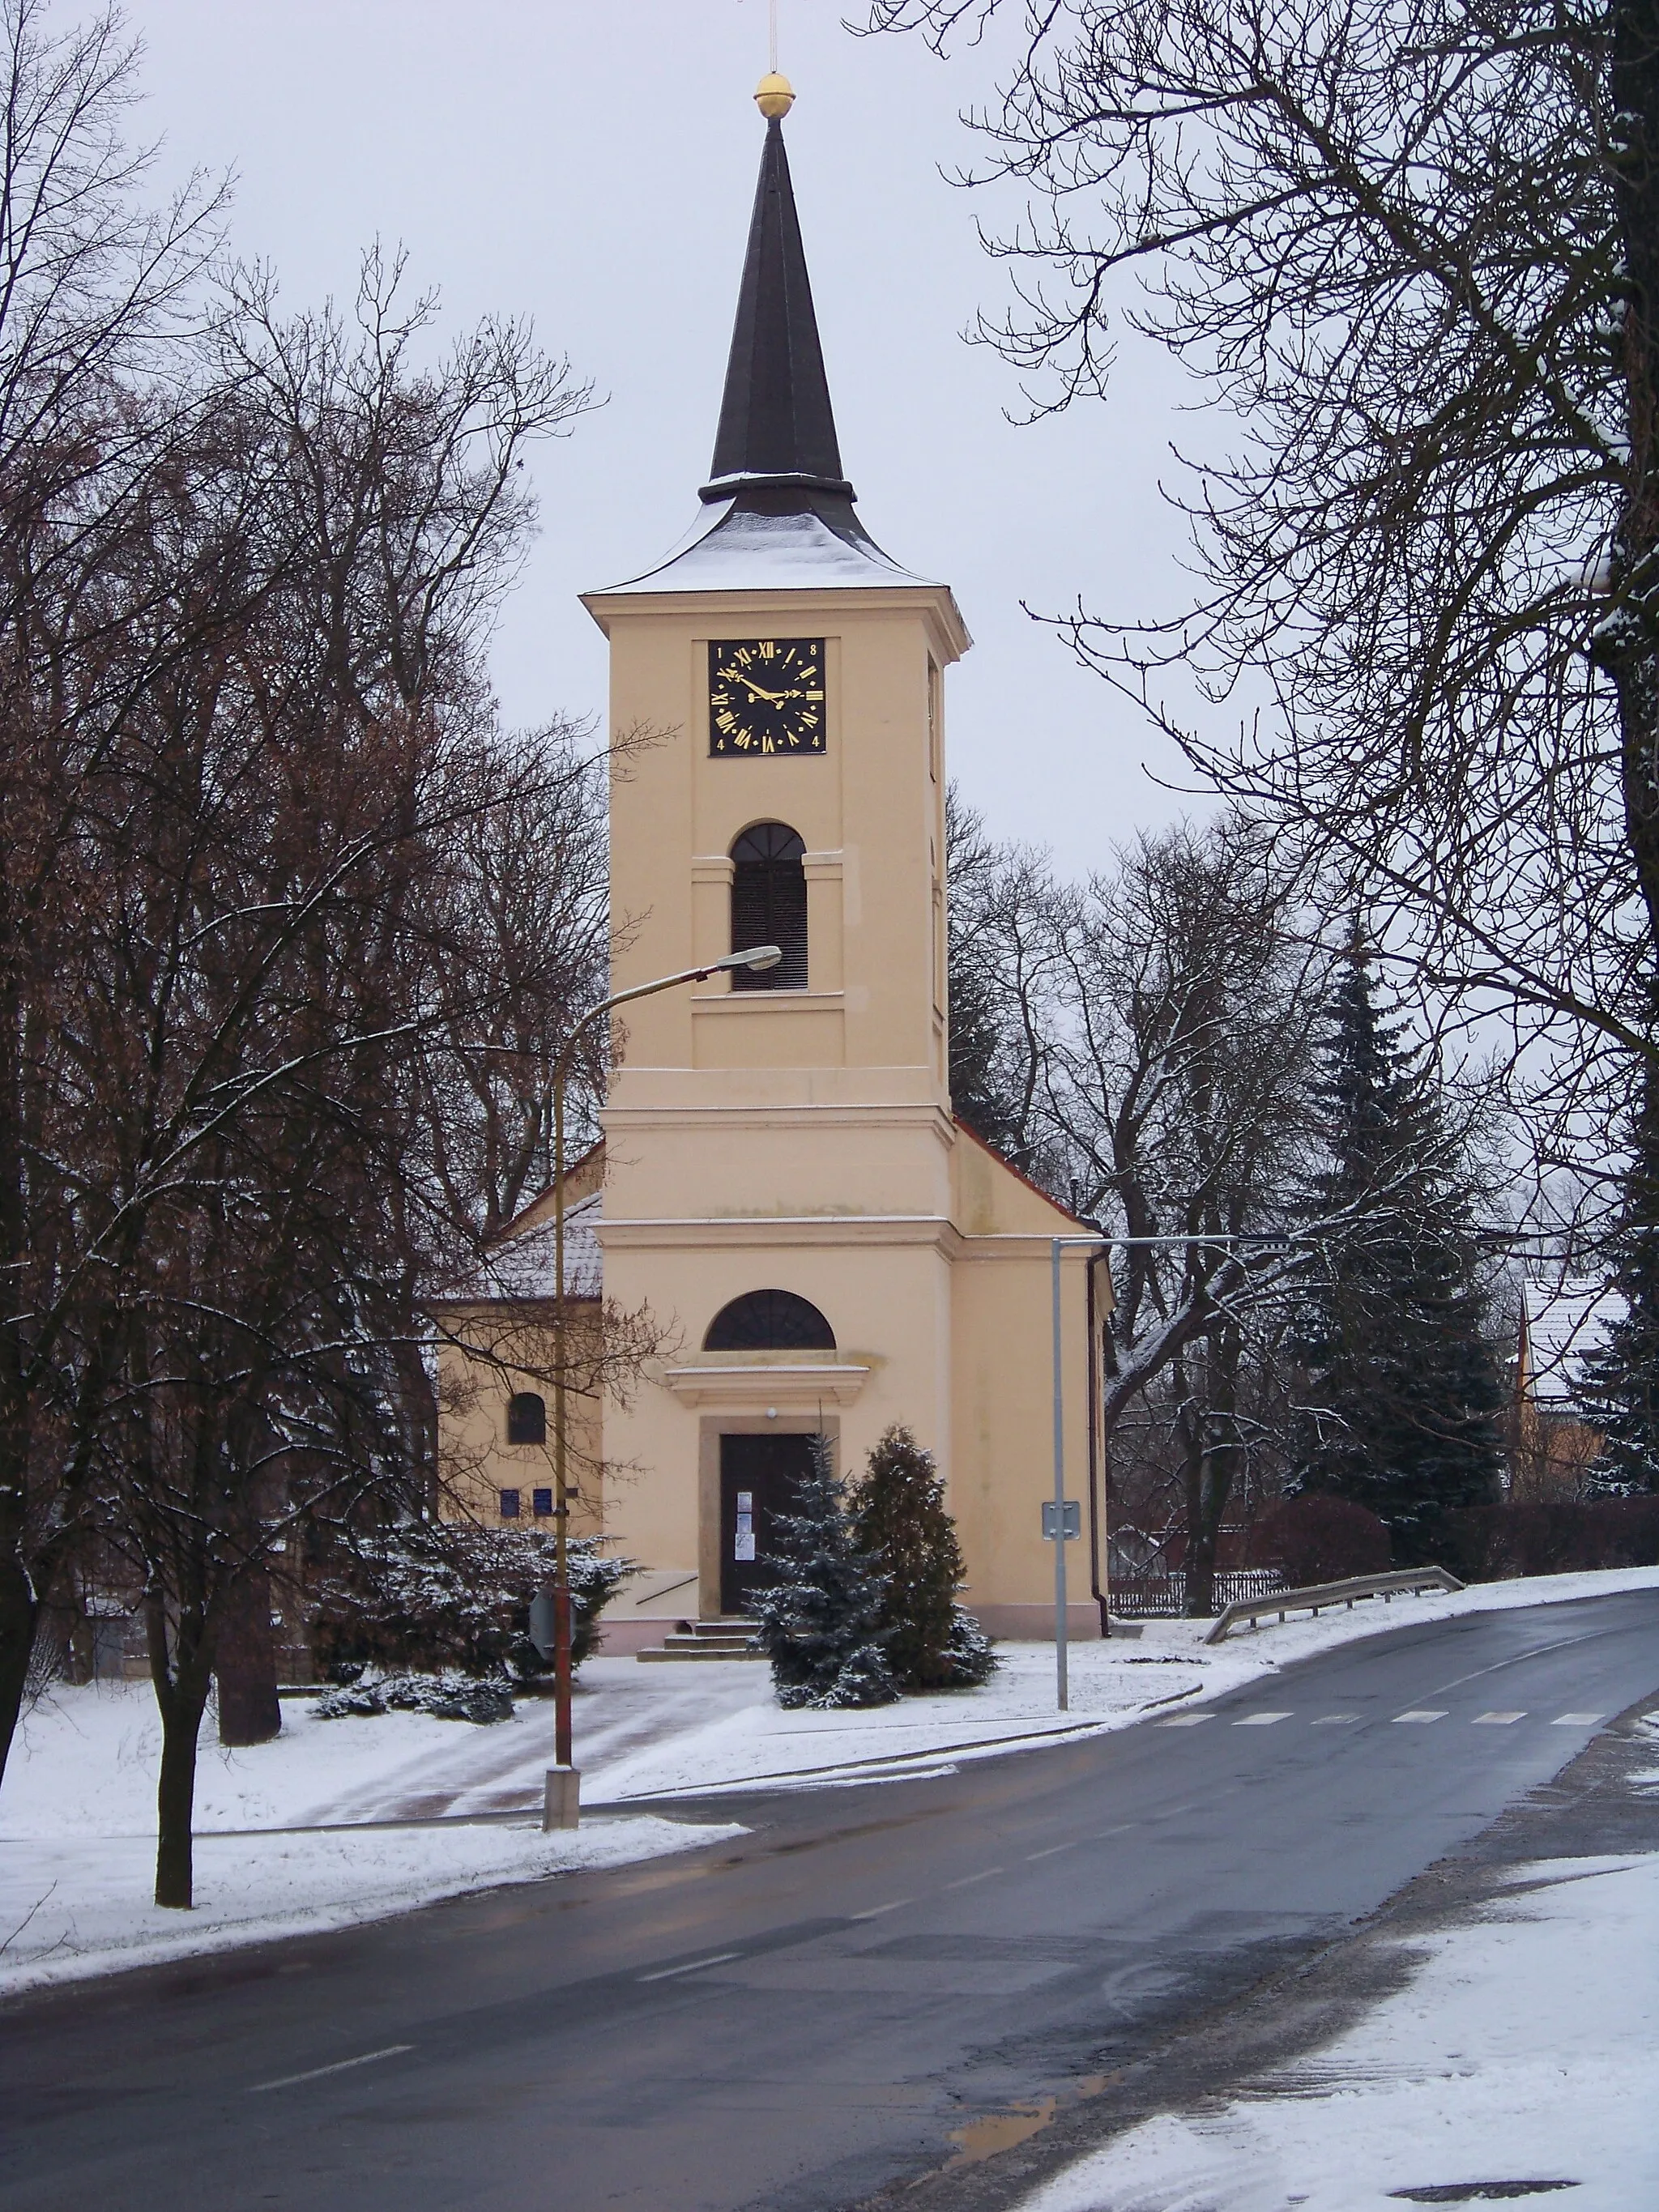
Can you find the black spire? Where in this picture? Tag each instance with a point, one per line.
(777, 433)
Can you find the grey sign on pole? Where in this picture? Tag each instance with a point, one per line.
(543, 1629)
(1073, 1519)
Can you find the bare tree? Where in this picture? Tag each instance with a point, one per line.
(1188, 1010)
(94, 287)
(1003, 954)
(519, 936)
(1414, 248)
(1157, 1028)
(272, 687)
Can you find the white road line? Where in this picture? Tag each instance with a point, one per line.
(1496, 1720)
(1184, 1720)
(1049, 1853)
(1400, 1719)
(966, 1882)
(696, 1965)
(876, 1911)
(340, 2066)
(1261, 1720)
(1121, 1829)
(1575, 1720)
(1336, 1720)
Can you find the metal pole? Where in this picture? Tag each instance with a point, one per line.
(1062, 1699)
(562, 1727)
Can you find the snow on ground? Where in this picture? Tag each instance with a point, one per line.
(1525, 2049)
(740, 1740)
(84, 1906)
(78, 1804)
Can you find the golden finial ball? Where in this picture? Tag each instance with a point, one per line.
(775, 95)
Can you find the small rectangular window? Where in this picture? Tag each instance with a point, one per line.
(509, 1505)
(541, 1504)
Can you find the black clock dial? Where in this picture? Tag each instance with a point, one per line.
(766, 695)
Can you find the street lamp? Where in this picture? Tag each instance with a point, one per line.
(560, 1792)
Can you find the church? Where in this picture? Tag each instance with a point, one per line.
(821, 1246)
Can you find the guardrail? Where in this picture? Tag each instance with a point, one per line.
(1320, 1596)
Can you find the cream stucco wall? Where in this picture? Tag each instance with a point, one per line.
(803, 1141)
(490, 1354)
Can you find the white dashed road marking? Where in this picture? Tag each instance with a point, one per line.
(1400, 1718)
(1261, 1720)
(876, 1911)
(663, 1974)
(1186, 1720)
(1575, 1720)
(1497, 1720)
(340, 2066)
(966, 1882)
(1336, 1720)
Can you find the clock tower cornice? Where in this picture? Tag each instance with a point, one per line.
(795, 609)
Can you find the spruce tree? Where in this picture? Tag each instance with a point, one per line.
(821, 1621)
(1402, 1391)
(899, 1518)
(1621, 1377)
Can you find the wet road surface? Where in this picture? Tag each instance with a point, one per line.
(876, 1983)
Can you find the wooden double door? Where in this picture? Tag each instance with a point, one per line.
(758, 1475)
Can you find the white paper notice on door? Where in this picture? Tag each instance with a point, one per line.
(743, 1548)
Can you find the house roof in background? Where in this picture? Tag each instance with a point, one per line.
(520, 1265)
(1564, 1321)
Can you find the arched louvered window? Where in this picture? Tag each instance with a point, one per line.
(526, 1417)
(769, 1321)
(768, 905)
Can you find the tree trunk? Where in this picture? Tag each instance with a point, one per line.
(1211, 1467)
(1201, 1549)
(249, 1711)
(182, 1681)
(18, 1615)
(1198, 1545)
(1627, 646)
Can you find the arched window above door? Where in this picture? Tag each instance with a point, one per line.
(769, 1321)
(768, 905)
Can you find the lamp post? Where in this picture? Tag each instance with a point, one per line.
(756, 956)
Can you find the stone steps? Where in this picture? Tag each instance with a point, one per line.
(706, 1640)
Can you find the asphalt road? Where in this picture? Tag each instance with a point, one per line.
(877, 1985)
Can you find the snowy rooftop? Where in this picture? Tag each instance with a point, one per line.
(1565, 1321)
(732, 547)
(520, 1265)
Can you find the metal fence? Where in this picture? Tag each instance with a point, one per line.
(1160, 1597)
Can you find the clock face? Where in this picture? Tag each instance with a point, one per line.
(766, 695)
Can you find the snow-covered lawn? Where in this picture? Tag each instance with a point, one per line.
(84, 1906)
(77, 1850)
(1525, 2049)
(77, 1805)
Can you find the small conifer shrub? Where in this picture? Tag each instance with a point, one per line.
(899, 1518)
(821, 1620)
(442, 1597)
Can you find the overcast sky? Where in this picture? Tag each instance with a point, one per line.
(592, 163)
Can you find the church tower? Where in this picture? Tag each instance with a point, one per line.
(785, 1187)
